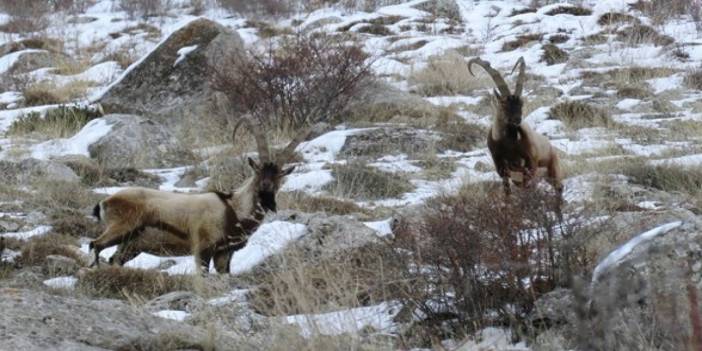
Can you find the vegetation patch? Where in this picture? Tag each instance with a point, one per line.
(687, 180)
(578, 114)
(693, 79)
(611, 18)
(521, 41)
(122, 283)
(319, 203)
(35, 251)
(552, 55)
(569, 10)
(359, 181)
(558, 38)
(521, 11)
(60, 122)
(633, 92)
(48, 93)
(642, 34)
(460, 136)
(446, 75)
(376, 29)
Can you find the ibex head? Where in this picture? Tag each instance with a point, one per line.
(509, 106)
(269, 173)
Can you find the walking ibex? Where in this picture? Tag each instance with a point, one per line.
(208, 225)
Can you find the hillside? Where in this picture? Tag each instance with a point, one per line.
(392, 231)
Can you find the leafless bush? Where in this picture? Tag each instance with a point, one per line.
(303, 80)
(472, 260)
(143, 8)
(25, 16)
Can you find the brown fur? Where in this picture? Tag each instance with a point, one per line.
(514, 146)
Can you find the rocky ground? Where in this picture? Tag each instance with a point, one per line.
(95, 98)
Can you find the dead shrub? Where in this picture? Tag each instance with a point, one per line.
(358, 181)
(306, 79)
(569, 10)
(578, 114)
(446, 74)
(469, 261)
(642, 34)
(122, 283)
(552, 55)
(521, 41)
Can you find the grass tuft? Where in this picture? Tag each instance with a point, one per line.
(578, 114)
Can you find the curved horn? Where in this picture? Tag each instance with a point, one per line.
(289, 150)
(496, 77)
(520, 79)
(263, 153)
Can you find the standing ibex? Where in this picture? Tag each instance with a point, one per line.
(207, 225)
(514, 146)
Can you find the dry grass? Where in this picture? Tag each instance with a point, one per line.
(446, 75)
(459, 135)
(300, 201)
(634, 92)
(578, 114)
(376, 29)
(128, 283)
(663, 11)
(642, 34)
(558, 38)
(35, 251)
(61, 122)
(616, 18)
(48, 93)
(552, 55)
(356, 180)
(687, 180)
(693, 79)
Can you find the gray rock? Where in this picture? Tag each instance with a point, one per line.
(327, 236)
(159, 88)
(33, 320)
(652, 288)
(386, 140)
(138, 142)
(30, 169)
(176, 300)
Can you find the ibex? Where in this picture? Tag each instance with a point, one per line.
(209, 225)
(514, 146)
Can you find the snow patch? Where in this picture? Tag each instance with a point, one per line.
(75, 145)
(379, 317)
(269, 239)
(172, 314)
(183, 53)
(40, 230)
(66, 282)
(382, 228)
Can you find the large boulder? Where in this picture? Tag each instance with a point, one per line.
(33, 320)
(648, 287)
(30, 169)
(390, 139)
(138, 142)
(172, 82)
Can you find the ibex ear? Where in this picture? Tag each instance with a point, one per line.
(287, 171)
(253, 164)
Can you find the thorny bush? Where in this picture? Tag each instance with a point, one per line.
(474, 260)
